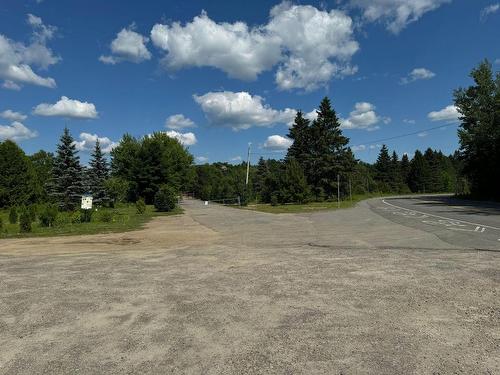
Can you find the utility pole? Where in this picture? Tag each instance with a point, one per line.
(338, 190)
(248, 163)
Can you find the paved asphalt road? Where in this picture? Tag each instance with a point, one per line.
(464, 223)
(218, 290)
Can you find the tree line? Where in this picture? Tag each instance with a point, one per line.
(319, 165)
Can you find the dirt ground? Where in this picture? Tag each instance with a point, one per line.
(227, 291)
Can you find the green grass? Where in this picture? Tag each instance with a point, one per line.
(310, 207)
(124, 218)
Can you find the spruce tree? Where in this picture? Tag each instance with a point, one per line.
(67, 185)
(419, 172)
(328, 153)
(396, 178)
(383, 168)
(405, 168)
(98, 174)
(299, 133)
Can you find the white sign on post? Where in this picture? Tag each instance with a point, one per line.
(86, 202)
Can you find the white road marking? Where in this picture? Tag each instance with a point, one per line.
(441, 217)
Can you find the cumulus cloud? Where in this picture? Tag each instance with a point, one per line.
(185, 139)
(277, 143)
(490, 9)
(396, 14)
(13, 116)
(236, 159)
(179, 121)
(358, 148)
(448, 114)
(66, 107)
(87, 143)
(16, 132)
(417, 74)
(363, 117)
(201, 159)
(308, 45)
(128, 46)
(240, 110)
(17, 60)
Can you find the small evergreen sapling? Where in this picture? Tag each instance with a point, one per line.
(25, 221)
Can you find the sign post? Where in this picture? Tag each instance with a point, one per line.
(86, 207)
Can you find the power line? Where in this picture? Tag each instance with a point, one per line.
(276, 153)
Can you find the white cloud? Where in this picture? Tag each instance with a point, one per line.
(179, 121)
(363, 117)
(318, 45)
(66, 107)
(448, 114)
(236, 159)
(417, 74)
(240, 110)
(490, 9)
(277, 143)
(311, 116)
(87, 143)
(17, 59)
(397, 14)
(185, 139)
(308, 45)
(16, 132)
(358, 148)
(423, 134)
(128, 46)
(409, 121)
(201, 159)
(13, 116)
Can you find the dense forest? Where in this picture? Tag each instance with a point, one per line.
(319, 165)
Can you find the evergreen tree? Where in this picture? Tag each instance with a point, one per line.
(396, 177)
(405, 168)
(419, 172)
(328, 153)
(383, 168)
(67, 185)
(294, 186)
(42, 163)
(479, 134)
(299, 133)
(260, 178)
(98, 174)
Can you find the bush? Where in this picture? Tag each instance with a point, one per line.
(32, 212)
(62, 220)
(105, 216)
(165, 198)
(48, 215)
(25, 221)
(85, 216)
(1, 224)
(274, 199)
(76, 217)
(140, 206)
(13, 215)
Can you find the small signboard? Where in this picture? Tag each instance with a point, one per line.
(87, 202)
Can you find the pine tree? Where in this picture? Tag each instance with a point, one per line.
(405, 168)
(396, 177)
(16, 177)
(328, 153)
(67, 185)
(299, 133)
(98, 174)
(419, 172)
(294, 185)
(383, 168)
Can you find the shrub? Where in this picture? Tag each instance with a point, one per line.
(62, 220)
(1, 224)
(105, 216)
(13, 215)
(32, 212)
(274, 199)
(76, 217)
(140, 206)
(25, 221)
(165, 198)
(48, 215)
(85, 216)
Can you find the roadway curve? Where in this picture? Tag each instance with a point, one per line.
(469, 224)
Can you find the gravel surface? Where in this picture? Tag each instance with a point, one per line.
(227, 291)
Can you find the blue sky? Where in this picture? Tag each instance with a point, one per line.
(224, 74)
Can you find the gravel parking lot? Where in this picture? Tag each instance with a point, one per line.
(226, 291)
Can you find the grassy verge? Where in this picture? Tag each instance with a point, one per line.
(123, 218)
(312, 206)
